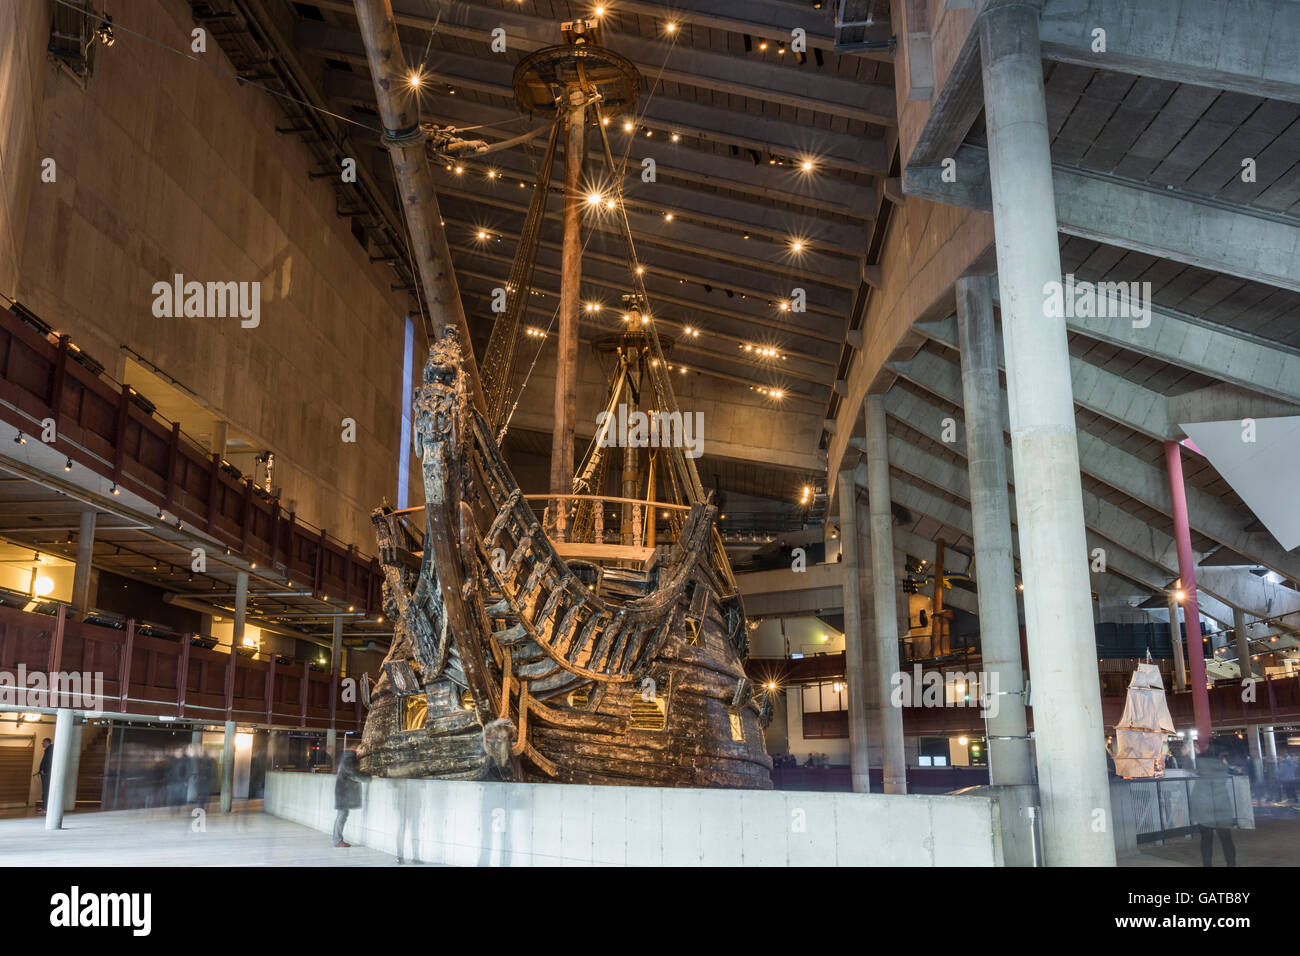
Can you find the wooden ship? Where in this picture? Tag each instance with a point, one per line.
(567, 643)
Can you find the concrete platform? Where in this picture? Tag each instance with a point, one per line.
(167, 838)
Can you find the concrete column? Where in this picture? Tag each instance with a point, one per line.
(1256, 757)
(1069, 736)
(1241, 632)
(566, 344)
(241, 610)
(991, 523)
(336, 656)
(74, 767)
(1187, 578)
(59, 766)
(85, 558)
(1270, 744)
(855, 672)
(885, 595)
(1176, 639)
(228, 768)
(220, 437)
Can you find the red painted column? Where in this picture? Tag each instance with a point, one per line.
(1191, 613)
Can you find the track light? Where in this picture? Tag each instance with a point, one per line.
(20, 439)
(68, 465)
(115, 490)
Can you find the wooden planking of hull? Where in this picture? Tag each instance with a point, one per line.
(510, 663)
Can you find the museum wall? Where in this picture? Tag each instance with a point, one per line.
(166, 166)
(24, 30)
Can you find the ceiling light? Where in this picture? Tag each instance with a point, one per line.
(668, 217)
(640, 270)
(627, 126)
(796, 246)
(762, 45)
(593, 199)
(676, 138)
(806, 166)
(68, 466)
(670, 27)
(415, 80)
(459, 170)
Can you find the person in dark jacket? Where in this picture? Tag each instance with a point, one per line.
(1213, 804)
(47, 761)
(347, 792)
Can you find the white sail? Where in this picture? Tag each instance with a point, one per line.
(1141, 731)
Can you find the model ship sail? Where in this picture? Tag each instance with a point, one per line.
(1144, 726)
(535, 649)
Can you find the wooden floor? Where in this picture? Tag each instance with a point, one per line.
(165, 838)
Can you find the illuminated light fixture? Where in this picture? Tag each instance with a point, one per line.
(762, 44)
(668, 217)
(43, 586)
(68, 465)
(253, 566)
(640, 270)
(1180, 595)
(837, 687)
(415, 79)
(1020, 587)
(604, 121)
(796, 246)
(459, 170)
(785, 306)
(610, 204)
(654, 363)
(962, 740)
(482, 234)
(600, 11)
(781, 50)
(682, 369)
(594, 199)
(770, 685)
(627, 126)
(379, 619)
(670, 27)
(649, 133)
(645, 320)
(806, 166)
(676, 138)
(115, 490)
(593, 306)
(351, 607)
(535, 332)
(492, 174)
(20, 439)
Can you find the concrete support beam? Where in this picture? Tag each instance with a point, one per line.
(228, 768)
(1241, 636)
(1197, 230)
(1176, 641)
(885, 594)
(60, 764)
(85, 561)
(1069, 734)
(1253, 50)
(855, 670)
(1009, 761)
(1223, 403)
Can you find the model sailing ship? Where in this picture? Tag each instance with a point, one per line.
(1144, 727)
(530, 648)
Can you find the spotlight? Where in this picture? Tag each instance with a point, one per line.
(627, 126)
(762, 45)
(115, 490)
(668, 217)
(594, 199)
(670, 27)
(676, 137)
(20, 439)
(806, 166)
(796, 246)
(68, 465)
(105, 32)
(415, 80)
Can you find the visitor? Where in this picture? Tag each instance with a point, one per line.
(347, 792)
(1212, 805)
(47, 761)
(1286, 778)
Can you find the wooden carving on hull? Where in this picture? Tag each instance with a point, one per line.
(510, 662)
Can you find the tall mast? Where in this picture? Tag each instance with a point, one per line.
(566, 345)
(399, 108)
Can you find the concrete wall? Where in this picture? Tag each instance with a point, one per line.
(498, 824)
(168, 166)
(24, 31)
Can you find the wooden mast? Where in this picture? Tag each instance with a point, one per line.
(399, 108)
(566, 344)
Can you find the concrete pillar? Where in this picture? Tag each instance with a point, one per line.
(74, 767)
(1069, 736)
(336, 657)
(59, 766)
(220, 437)
(1176, 639)
(1241, 632)
(228, 768)
(885, 595)
(1256, 757)
(855, 672)
(991, 523)
(566, 344)
(85, 558)
(1187, 578)
(241, 610)
(1270, 744)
